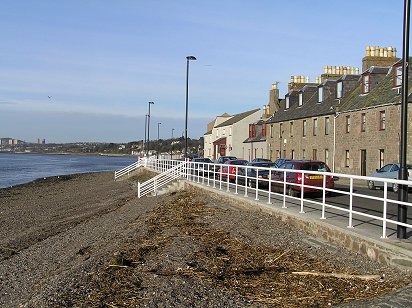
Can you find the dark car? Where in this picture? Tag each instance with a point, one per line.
(223, 159)
(229, 168)
(281, 161)
(250, 174)
(201, 166)
(256, 160)
(294, 179)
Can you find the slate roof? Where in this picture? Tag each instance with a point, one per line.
(237, 118)
(310, 108)
(258, 138)
(383, 94)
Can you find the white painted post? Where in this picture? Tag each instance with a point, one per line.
(284, 190)
(301, 193)
(350, 202)
(385, 208)
(270, 186)
(323, 198)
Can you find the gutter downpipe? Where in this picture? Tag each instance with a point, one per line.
(334, 139)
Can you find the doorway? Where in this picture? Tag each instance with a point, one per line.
(363, 162)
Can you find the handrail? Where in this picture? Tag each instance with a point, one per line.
(127, 169)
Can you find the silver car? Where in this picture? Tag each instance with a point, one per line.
(389, 171)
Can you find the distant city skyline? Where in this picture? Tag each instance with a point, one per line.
(73, 71)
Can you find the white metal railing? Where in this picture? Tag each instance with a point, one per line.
(128, 169)
(276, 186)
(170, 171)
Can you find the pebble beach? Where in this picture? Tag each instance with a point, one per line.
(88, 241)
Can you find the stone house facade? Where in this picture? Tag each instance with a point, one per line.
(350, 121)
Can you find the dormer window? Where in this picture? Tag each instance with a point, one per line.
(339, 89)
(365, 84)
(320, 94)
(398, 76)
(287, 102)
(300, 99)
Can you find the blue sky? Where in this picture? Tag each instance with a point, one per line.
(101, 61)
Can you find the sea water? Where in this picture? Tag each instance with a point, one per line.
(23, 168)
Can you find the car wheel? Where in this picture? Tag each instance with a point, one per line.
(251, 184)
(395, 187)
(371, 185)
(292, 192)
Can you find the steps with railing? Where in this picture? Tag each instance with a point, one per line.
(162, 179)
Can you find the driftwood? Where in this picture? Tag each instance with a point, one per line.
(338, 275)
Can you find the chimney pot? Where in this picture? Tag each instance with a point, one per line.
(357, 71)
(372, 51)
(325, 69)
(368, 51)
(307, 79)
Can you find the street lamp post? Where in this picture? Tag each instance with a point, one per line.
(171, 145)
(158, 143)
(188, 58)
(403, 171)
(148, 130)
(145, 133)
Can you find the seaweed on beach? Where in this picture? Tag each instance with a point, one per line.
(183, 244)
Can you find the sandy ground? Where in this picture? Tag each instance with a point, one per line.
(87, 241)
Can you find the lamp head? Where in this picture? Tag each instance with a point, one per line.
(191, 58)
(151, 103)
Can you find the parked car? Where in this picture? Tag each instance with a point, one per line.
(294, 179)
(251, 173)
(280, 161)
(256, 160)
(201, 166)
(229, 168)
(389, 171)
(223, 159)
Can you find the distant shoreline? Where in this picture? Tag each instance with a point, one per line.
(66, 153)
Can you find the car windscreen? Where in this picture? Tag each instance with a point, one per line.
(315, 167)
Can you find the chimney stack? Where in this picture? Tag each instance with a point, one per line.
(379, 56)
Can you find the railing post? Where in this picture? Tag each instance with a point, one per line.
(270, 186)
(323, 198)
(237, 176)
(284, 190)
(256, 185)
(302, 189)
(350, 202)
(385, 205)
(246, 181)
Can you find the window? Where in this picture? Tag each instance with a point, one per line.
(280, 130)
(315, 154)
(320, 94)
(277, 154)
(224, 131)
(271, 130)
(382, 120)
(365, 84)
(217, 133)
(291, 129)
(300, 99)
(230, 131)
(381, 158)
(292, 154)
(347, 124)
(347, 158)
(327, 156)
(363, 122)
(315, 127)
(287, 102)
(304, 128)
(303, 154)
(327, 125)
(264, 130)
(251, 130)
(398, 76)
(339, 89)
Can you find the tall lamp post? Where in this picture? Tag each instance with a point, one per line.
(158, 144)
(188, 58)
(145, 133)
(148, 130)
(171, 145)
(403, 171)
